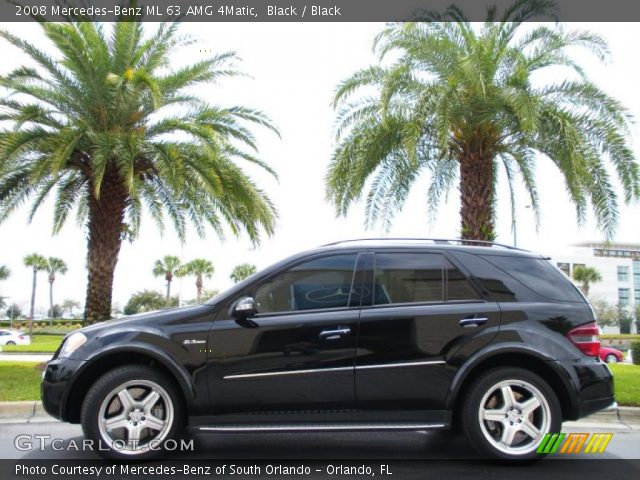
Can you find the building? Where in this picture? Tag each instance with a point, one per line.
(618, 263)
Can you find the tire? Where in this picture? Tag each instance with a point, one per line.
(10, 342)
(611, 358)
(129, 402)
(503, 429)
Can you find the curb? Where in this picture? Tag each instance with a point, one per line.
(21, 411)
(628, 415)
(18, 354)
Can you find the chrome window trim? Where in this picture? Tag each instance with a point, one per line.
(333, 369)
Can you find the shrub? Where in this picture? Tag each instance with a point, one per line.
(635, 352)
(144, 301)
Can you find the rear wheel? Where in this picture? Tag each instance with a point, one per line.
(131, 411)
(508, 412)
(10, 342)
(611, 358)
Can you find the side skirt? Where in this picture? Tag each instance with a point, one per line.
(343, 420)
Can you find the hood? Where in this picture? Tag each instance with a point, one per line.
(154, 315)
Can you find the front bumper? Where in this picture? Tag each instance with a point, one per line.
(56, 381)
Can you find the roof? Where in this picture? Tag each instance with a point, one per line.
(444, 243)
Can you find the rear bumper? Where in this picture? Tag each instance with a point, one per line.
(592, 383)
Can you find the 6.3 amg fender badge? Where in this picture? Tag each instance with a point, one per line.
(193, 341)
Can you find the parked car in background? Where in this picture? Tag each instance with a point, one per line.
(14, 337)
(611, 355)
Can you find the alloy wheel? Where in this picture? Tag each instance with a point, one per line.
(135, 416)
(514, 416)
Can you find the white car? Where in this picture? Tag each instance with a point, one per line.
(13, 337)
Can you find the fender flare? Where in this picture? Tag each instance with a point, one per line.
(184, 381)
(462, 375)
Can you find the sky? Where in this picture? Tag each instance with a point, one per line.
(293, 70)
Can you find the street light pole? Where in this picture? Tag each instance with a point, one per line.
(10, 314)
(515, 229)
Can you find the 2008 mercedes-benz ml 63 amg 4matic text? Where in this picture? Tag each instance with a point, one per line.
(359, 335)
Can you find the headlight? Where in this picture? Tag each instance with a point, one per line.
(72, 343)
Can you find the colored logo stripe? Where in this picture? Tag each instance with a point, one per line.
(598, 442)
(550, 443)
(574, 442)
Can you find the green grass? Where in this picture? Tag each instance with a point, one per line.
(39, 343)
(619, 336)
(627, 384)
(20, 381)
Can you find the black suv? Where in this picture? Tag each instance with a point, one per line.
(393, 334)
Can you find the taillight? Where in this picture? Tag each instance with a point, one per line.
(586, 338)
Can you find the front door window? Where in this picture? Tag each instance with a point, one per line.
(321, 283)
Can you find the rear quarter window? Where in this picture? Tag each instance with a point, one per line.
(539, 275)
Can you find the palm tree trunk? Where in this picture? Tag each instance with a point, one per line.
(51, 280)
(33, 301)
(477, 197)
(106, 225)
(168, 279)
(33, 293)
(199, 287)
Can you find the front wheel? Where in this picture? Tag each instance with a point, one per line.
(508, 412)
(130, 412)
(10, 342)
(611, 358)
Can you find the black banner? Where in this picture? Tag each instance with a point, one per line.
(297, 10)
(548, 469)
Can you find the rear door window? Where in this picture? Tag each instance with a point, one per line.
(408, 278)
(458, 286)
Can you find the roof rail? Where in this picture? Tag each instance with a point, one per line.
(439, 241)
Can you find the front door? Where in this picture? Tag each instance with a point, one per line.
(297, 353)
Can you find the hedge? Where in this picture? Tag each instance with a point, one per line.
(635, 352)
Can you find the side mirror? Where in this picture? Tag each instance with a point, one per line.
(244, 308)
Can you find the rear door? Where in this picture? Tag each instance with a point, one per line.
(422, 318)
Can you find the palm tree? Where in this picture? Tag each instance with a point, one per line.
(242, 271)
(109, 129)
(37, 263)
(459, 102)
(586, 276)
(69, 305)
(4, 274)
(54, 266)
(199, 268)
(167, 267)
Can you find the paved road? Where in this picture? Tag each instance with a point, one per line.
(409, 454)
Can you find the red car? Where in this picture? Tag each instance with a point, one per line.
(611, 355)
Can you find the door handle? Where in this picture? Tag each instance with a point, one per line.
(334, 334)
(473, 321)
